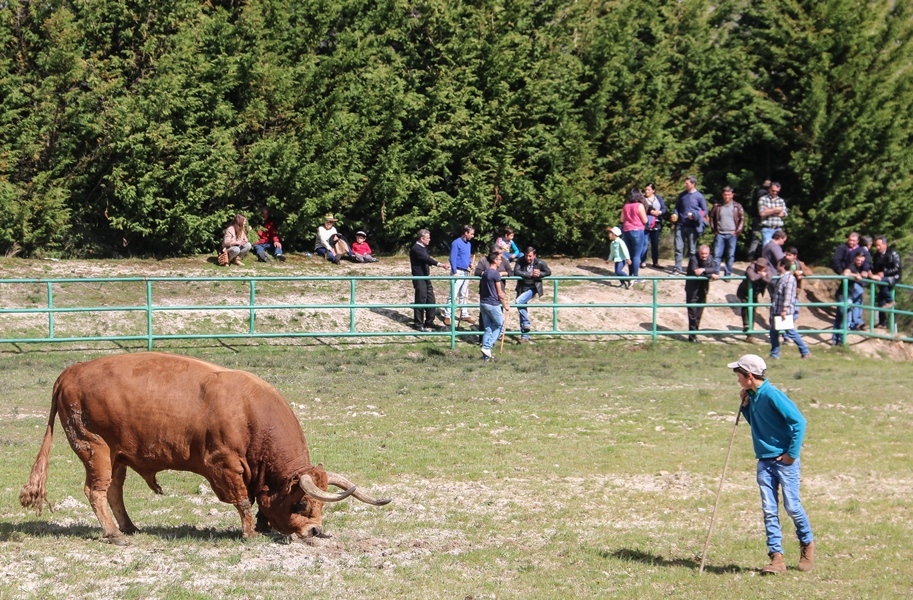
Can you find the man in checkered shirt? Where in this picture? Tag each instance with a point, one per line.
(772, 210)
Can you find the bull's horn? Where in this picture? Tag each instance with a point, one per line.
(310, 488)
(341, 482)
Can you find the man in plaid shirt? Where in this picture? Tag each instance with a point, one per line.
(772, 210)
(783, 304)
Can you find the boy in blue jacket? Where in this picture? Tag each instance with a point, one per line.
(777, 430)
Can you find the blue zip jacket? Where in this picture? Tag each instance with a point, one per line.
(777, 426)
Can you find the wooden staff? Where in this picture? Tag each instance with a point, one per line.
(720, 490)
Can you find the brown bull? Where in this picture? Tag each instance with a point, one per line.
(152, 412)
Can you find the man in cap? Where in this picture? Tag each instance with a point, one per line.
(757, 279)
(777, 431)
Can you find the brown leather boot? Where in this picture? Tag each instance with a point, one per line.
(777, 565)
(806, 556)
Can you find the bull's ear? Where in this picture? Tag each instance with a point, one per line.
(292, 484)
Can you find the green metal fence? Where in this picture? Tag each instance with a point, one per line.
(146, 308)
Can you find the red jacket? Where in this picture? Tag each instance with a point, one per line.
(268, 233)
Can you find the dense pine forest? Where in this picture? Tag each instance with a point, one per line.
(140, 127)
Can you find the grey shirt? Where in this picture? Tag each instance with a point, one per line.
(727, 218)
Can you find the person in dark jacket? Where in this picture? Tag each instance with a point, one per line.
(700, 265)
(504, 267)
(757, 278)
(727, 220)
(886, 267)
(421, 262)
(530, 269)
(843, 255)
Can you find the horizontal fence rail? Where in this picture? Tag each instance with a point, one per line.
(52, 299)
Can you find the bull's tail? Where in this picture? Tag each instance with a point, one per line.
(33, 494)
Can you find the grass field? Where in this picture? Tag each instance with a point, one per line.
(565, 469)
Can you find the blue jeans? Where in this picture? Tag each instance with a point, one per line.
(856, 291)
(327, 254)
(262, 251)
(634, 240)
(790, 334)
(724, 243)
(521, 302)
(492, 323)
(651, 243)
(771, 476)
(767, 234)
(685, 236)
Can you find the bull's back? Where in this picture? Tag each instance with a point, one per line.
(158, 410)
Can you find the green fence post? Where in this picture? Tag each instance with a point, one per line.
(845, 284)
(655, 311)
(50, 312)
(750, 308)
(453, 315)
(149, 315)
(352, 305)
(873, 290)
(252, 300)
(555, 307)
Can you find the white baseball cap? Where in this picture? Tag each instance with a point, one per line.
(750, 363)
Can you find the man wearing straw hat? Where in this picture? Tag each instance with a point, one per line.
(777, 431)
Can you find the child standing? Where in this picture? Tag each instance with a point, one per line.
(777, 431)
(360, 249)
(618, 253)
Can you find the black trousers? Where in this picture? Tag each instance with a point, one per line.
(424, 294)
(696, 294)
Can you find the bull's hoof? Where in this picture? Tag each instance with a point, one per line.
(117, 540)
(133, 529)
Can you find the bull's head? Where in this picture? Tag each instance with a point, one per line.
(299, 510)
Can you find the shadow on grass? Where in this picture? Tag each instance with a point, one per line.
(656, 560)
(39, 529)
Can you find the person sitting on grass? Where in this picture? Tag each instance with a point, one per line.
(330, 244)
(618, 253)
(268, 239)
(235, 240)
(361, 250)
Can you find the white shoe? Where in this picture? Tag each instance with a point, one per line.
(486, 352)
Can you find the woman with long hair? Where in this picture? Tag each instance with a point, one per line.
(633, 223)
(235, 240)
(656, 210)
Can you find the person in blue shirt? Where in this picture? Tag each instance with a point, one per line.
(460, 266)
(777, 431)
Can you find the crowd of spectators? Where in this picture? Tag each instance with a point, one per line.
(774, 268)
